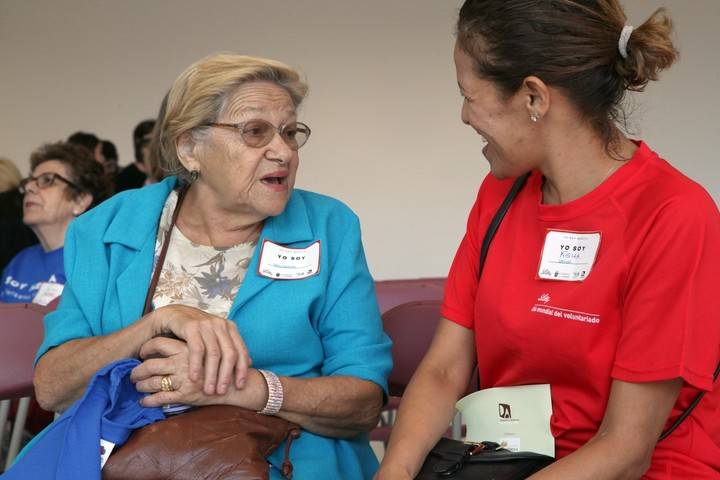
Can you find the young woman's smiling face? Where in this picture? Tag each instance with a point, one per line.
(504, 123)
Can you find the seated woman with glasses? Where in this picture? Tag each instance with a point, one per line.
(65, 182)
(250, 271)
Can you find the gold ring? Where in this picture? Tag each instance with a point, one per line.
(166, 384)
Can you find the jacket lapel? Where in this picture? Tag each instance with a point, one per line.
(291, 226)
(132, 284)
(131, 237)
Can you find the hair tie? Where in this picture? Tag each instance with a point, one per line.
(624, 39)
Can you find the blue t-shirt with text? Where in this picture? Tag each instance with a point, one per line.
(30, 268)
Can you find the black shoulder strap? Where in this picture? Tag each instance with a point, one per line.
(688, 410)
(498, 218)
(492, 229)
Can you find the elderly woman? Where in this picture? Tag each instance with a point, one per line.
(256, 272)
(600, 279)
(65, 182)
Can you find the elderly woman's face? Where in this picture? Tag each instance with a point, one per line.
(50, 205)
(254, 181)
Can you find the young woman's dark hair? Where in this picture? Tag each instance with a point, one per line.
(569, 44)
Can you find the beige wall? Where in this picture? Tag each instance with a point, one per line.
(383, 107)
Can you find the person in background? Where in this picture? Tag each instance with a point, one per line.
(136, 174)
(154, 158)
(65, 182)
(602, 278)
(90, 141)
(9, 175)
(110, 163)
(14, 234)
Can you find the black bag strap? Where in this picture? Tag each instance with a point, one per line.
(490, 234)
(493, 227)
(688, 410)
(498, 218)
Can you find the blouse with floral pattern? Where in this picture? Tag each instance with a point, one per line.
(200, 276)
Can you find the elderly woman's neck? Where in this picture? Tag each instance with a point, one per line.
(206, 222)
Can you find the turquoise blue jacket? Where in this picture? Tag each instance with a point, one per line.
(328, 324)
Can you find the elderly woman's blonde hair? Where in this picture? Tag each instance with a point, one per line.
(200, 93)
(9, 175)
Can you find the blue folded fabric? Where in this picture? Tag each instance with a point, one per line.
(70, 447)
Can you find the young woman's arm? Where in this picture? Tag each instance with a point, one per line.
(428, 404)
(622, 449)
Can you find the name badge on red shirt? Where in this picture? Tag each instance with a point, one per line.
(568, 256)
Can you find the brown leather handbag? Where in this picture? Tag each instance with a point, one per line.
(207, 443)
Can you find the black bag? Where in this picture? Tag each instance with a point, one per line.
(487, 460)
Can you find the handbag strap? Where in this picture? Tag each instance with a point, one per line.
(163, 252)
(498, 218)
(689, 409)
(493, 228)
(490, 234)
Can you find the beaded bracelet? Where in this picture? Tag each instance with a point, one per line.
(275, 393)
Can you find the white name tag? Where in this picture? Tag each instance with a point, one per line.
(283, 263)
(47, 293)
(106, 449)
(568, 256)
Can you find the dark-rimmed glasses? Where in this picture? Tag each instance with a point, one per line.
(258, 133)
(45, 180)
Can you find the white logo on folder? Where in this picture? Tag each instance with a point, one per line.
(516, 417)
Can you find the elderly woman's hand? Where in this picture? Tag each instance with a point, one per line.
(167, 357)
(217, 353)
(171, 357)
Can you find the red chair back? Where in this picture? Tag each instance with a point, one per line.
(21, 333)
(391, 293)
(411, 327)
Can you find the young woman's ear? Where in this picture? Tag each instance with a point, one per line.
(537, 97)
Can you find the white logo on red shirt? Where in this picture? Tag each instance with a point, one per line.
(544, 298)
(544, 308)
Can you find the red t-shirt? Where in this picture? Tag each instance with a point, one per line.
(649, 310)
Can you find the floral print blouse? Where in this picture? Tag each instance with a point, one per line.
(199, 276)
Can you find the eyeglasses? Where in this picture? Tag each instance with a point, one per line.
(45, 180)
(258, 133)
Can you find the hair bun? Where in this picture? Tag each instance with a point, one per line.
(650, 50)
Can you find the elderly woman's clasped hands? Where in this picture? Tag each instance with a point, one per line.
(208, 359)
